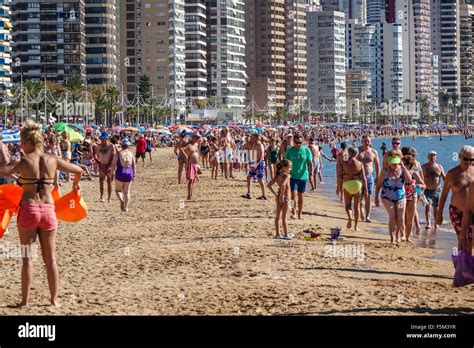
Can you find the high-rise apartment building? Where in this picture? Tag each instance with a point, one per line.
(414, 16)
(48, 39)
(467, 58)
(265, 53)
(101, 43)
(390, 82)
(445, 25)
(361, 51)
(5, 47)
(196, 49)
(295, 48)
(326, 59)
(152, 35)
(226, 52)
(354, 9)
(375, 11)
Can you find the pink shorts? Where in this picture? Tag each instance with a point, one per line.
(192, 172)
(39, 216)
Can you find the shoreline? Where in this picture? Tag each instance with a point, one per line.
(215, 256)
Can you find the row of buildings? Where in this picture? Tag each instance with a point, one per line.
(270, 54)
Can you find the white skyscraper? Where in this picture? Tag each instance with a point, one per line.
(177, 94)
(196, 54)
(361, 51)
(326, 59)
(226, 52)
(389, 63)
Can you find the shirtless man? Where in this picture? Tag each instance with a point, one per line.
(465, 240)
(104, 155)
(191, 154)
(369, 157)
(256, 166)
(458, 181)
(285, 145)
(317, 153)
(181, 158)
(432, 172)
(227, 147)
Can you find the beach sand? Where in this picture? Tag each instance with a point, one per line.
(215, 256)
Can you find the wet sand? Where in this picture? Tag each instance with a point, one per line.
(215, 256)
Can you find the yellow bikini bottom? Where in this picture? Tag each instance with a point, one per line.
(353, 186)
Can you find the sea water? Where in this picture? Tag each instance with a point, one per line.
(447, 149)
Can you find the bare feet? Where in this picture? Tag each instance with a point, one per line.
(349, 222)
(367, 219)
(101, 200)
(21, 304)
(55, 303)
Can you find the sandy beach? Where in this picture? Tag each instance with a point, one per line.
(215, 256)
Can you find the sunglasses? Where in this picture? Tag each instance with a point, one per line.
(395, 143)
(467, 159)
(298, 142)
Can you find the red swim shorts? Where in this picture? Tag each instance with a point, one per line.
(39, 216)
(456, 217)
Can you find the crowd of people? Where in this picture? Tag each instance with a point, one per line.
(283, 161)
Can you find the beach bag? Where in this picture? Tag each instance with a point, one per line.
(5, 217)
(71, 207)
(10, 197)
(56, 194)
(464, 265)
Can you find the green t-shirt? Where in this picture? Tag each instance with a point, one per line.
(299, 159)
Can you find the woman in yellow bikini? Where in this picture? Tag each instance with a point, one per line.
(352, 181)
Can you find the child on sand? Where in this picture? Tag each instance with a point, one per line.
(282, 178)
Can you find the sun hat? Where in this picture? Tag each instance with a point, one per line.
(432, 153)
(104, 135)
(394, 160)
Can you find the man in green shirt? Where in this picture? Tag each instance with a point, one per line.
(302, 160)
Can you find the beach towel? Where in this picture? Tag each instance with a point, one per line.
(464, 266)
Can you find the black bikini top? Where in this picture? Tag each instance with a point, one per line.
(40, 182)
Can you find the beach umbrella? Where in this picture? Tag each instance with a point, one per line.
(75, 136)
(117, 129)
(165, 132)
(187, 130)
(63, 127)
(11, 136)
(130, 129)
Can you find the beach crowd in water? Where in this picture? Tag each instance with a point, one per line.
(283, 162)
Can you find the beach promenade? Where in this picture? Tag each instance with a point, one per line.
(216, 256)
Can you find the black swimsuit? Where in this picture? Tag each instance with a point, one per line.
(40, 182)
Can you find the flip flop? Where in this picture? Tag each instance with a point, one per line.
(262, 198)
(286, 238)
(247, 196)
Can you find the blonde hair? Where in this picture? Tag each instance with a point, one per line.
(31, 132)
(466, 149)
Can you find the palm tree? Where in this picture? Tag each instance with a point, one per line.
(33, 91)
(75, 87)
(56, 93)
(97, 94)
(111, 101)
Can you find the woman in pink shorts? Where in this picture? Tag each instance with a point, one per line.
(36, 216)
